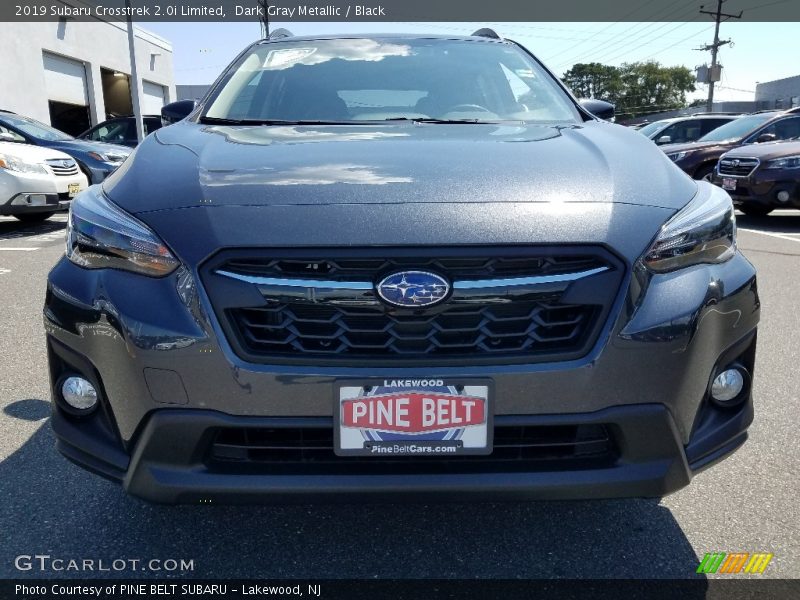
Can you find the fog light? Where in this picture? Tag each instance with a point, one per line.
(79, 393)
(727, 385)
(783, 196)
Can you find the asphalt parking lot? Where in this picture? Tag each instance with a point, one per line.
(749, 503)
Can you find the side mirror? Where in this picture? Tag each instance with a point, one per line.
(766, 137)
(664, 139)
(177, 111)
(599, 108)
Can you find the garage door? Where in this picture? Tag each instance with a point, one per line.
(152, 98)
(65, 80)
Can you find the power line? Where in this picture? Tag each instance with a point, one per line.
(660, 14)
(635, 41)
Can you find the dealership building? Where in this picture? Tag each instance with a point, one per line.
(75, 74)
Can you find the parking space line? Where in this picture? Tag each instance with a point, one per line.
(18, 249)
(4, 271)
(782, 236)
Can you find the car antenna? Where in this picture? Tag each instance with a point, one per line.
(280, 33)
(487, 33)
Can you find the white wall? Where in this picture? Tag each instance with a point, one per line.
(97, 44)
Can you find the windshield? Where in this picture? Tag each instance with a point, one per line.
(353, 80)
(736, 129)
(650, 129)
(36, 129)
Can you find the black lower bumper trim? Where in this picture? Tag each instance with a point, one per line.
(169, 463)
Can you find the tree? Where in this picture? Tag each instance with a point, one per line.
(593, 80)
(636, 89)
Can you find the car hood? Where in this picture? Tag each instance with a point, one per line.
(691, 146)
(193, 165)
(766, 151)
(30, 153)
(86, 146)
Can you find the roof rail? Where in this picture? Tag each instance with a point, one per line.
(280, 33)
(795, 109)
(487, 33)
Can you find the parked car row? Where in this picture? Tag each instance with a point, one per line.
(42, 168)
(755, 157)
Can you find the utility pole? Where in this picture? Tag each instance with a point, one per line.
(136, 83)
(718, 18)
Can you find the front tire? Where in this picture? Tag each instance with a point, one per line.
(705, 173)
(34, 217)
(755, 210)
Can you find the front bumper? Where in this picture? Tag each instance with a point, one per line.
(761, 188)
(170, 462)
(168, 380)
(31, 192)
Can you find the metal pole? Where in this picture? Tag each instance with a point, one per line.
(136, 83)
(714, 50)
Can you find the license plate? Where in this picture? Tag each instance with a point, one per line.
(73, 189)
(728, 183)
(412, 417)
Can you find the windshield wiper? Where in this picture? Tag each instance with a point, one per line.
(432, 120)
(221, 121)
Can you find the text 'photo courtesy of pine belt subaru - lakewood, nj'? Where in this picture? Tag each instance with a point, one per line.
(371, 268)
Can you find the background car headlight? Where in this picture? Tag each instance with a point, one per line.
(704, 231)
(107, 157)
(676, 156)
(12, 163)
(101, 235)
(789, 162)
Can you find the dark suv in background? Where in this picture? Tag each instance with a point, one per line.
(121, 130)
(699, 158)
(763, 177)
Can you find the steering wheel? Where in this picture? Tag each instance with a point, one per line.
(468, 108)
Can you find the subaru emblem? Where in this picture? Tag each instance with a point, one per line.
(411, 289)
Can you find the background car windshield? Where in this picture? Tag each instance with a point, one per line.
(650, 129)
(372, 79)
(736, 129)
(36, 129)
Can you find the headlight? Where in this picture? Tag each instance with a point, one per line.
(101, 235)
(109, 158)
(12, 163)
(790, 162)
(676, 156)
(702, 232)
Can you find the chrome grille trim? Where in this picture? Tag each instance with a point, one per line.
(360, 286)
(743, 167)
(62, 167)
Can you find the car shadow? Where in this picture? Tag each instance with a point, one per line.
(11, 228)
(52, 507)
(773, 223)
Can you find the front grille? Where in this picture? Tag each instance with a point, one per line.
(63, 168)
(737, 167)
(308, 328)
(309, 450)
(293, 307)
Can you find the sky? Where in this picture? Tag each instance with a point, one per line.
(760, 51)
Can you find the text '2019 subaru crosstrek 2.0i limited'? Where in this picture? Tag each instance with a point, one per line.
(379, 266)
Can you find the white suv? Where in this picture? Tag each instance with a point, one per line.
(36, 182)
